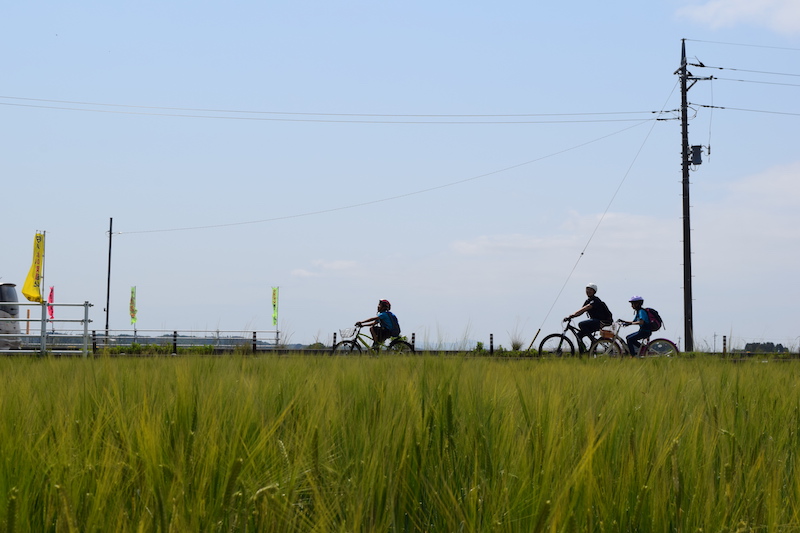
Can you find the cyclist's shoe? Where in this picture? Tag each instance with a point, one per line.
(375, 345)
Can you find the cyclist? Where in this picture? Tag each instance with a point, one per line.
(641, 319)
(596, 309)
(383, 326)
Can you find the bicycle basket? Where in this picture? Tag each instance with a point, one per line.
(606, 333)
(347, 333)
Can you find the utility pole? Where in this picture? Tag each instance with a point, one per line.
(687, 229)
(687, 159)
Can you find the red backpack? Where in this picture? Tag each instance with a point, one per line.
(654, 319)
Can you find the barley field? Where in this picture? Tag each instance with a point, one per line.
(425, 443)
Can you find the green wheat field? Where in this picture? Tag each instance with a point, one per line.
(425, 443)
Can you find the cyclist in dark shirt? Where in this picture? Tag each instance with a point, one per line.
(596, 309)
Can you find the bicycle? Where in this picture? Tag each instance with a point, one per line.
(612, 345)
(558, 344)
(354, 342)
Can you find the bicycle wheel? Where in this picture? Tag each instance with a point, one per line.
(660, 348)
(556, 345)
(400, 346)
(605, 348)
(346, 348)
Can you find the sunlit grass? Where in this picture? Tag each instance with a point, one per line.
(398, 444)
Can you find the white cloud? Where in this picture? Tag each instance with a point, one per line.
(773, 188)
(321, 267)
(779, 15)
(758, 217)
(338, 264)
(492, 244)
(303, 273)
(616, 231)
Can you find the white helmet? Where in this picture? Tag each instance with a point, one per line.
(636, 299)
(592, 286)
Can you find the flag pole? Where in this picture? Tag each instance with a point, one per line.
(108, 285)
(42, 299)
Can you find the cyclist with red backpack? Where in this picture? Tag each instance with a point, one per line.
(646, 326)
(383, 326)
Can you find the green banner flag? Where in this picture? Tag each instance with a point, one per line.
(133, 305)
(274, 306)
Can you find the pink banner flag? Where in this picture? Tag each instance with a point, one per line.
(50, 299)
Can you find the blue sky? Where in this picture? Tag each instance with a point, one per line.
(476, 164)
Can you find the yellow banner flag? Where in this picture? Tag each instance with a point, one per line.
(32, 288)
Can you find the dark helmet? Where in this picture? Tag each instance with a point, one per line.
(385, 303)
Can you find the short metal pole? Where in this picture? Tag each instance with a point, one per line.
(174, 343)
(254, 342)
(94, 341)
(85, 329)
(334, 339)
(43, 342)
(491, 343)
(724, 346)
(413, 340)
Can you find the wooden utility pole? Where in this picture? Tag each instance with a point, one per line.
(686, 160)
(688, 326)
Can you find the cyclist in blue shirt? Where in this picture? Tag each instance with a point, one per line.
(383, 326)
(641, 319)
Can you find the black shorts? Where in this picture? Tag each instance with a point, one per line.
(381, 334)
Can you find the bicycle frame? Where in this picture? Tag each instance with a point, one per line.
(613, 346)
(616, 345)
(366, 340)
(357, 341)
(561, 339)
(363, 339)
(582, 348)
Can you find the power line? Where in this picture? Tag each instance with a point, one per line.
(275, 116)
(390, 198)
(748, 110)
(701, 65)
(745, 44)
(759, 82)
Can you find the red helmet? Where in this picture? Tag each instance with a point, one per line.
(385, 303)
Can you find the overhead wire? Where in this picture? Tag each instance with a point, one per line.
(603, 215)
(746, 45)
(390, 198)
(747, 110)
(748, 70)
(761, 82)
(710, 116)
(285, 116)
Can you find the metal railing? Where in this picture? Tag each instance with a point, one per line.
(40, 335)
(27, 341)
(134, 341)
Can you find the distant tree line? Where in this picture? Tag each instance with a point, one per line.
(764, 347)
